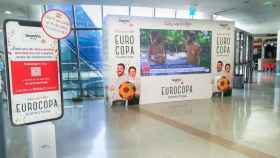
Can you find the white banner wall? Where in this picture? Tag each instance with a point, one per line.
(173, 58)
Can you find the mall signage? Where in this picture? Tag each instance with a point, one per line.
(152, 60)
(34, 74)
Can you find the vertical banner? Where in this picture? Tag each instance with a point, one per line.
(223, 62)
(122, 68)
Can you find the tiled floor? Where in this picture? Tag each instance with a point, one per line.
(246, 125)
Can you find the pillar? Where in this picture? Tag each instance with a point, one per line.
(35, 12)
(278, 54)
(2, 129)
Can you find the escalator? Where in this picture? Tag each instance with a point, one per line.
(91, 78)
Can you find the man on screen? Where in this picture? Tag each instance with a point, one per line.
(193, 49)
(157, 53)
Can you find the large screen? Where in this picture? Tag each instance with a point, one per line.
(172, 52)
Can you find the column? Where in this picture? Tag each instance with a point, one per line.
(35, 12)
(278, 54)
(2, 129)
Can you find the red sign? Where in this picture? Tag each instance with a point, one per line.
(34, 76)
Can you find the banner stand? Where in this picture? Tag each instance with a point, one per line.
(2, 129)
(41, 140)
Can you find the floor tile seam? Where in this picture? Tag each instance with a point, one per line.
(228, 144)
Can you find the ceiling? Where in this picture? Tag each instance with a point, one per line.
(18, 10)
(255, 16)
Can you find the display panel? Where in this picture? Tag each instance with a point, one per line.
(172, 52)
(176, 59)
(34, 78)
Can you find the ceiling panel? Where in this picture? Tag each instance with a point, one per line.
(256, 16)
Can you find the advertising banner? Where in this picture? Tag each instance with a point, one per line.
(33, 73)
(172, 58)
(223, 60)
(123, 85)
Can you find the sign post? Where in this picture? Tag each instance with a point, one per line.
(41, 137)
(34, 78)
(34, 74)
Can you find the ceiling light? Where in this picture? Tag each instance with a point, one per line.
(267, 3)
(8, 12)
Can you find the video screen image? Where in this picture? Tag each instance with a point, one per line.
(172, 52)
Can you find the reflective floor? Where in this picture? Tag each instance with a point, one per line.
(246, 125)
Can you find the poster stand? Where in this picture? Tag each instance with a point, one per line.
(40, 73)
(41, 140)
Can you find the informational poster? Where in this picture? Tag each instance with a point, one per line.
(174, 58)
(33, 65)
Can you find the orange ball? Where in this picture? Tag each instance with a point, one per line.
(127, 90)
(223, 84)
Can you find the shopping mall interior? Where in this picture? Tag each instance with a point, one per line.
(242, 123)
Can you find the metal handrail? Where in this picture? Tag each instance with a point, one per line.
(82, 58)
(92, 68)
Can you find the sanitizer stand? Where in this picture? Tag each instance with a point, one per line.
(41, 140)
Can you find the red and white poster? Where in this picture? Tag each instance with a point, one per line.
(35, 76)
(33, 73)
